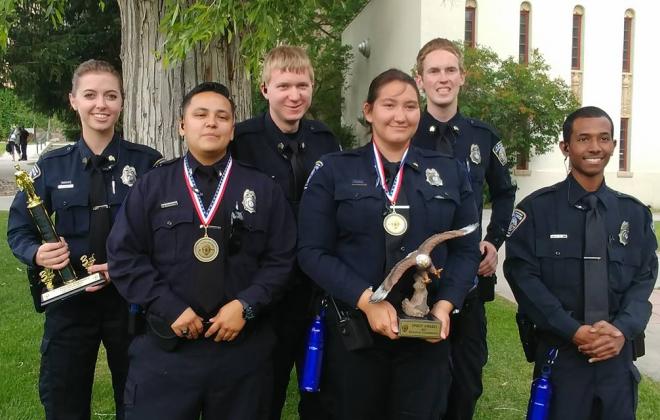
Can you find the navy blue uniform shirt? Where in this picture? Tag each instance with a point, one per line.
(544, 258)
(62, 179)
(341, 243)
(150, 248)
(260, 143)
(479, 148)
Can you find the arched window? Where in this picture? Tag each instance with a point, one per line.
(576, 50)
(523, 40)
(470, 23)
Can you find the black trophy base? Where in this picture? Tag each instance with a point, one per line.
(427, 327)
(71, 288)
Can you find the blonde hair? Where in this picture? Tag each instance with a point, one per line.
(438, 44)
(94, 66)
(286, 58)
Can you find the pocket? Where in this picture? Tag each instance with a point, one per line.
(167, 240)
(71, 212)
(561, 263)
(357, 207)
(441, 203)
(623, 265)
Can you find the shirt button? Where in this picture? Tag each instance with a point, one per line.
(557, 253)
(403, 249)
(169, 223)
(64, 203)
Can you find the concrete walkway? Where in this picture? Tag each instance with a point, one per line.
(650, 363)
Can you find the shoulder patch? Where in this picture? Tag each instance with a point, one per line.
(35, 172)
(500, 153)
(318, 165)
(517, 219)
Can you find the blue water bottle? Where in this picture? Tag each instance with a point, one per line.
(541, 392)
(311, 377)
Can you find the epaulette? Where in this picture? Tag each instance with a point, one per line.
(621, 195)
(432, 153)
(315, 126)
(245, 164)
(164, 162)
(539, 192)
(140, 147)
(61, 151)
(483, 125)
(250, 125)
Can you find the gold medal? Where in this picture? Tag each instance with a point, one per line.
(206, 249)
(395, 224)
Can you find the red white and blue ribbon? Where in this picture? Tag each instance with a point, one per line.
(206, 215)
(391, 193)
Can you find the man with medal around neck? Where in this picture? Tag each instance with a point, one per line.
(203, 244)
(440, 74)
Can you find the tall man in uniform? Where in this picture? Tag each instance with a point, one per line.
(440, 74)
(285, 145)
(581, 262)
(203, 243)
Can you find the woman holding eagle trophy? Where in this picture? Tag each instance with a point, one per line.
(388, 207)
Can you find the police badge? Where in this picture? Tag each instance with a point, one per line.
(624, 232)
(433, 177)
(128, 175)
(249, 201)
(475, 154)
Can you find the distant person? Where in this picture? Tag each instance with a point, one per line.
(285, 145)
(23, 135)
(83, 185)
(581, 261)
(12, 144)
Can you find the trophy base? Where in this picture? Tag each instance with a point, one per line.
(71, 288)
(428, 327)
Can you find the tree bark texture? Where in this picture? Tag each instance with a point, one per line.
(153, 93)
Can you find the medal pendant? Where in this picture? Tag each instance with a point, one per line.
(395, 224)
(206, 249)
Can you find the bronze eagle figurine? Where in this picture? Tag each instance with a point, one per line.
(421, 258)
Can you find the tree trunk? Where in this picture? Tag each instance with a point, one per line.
(153, 93)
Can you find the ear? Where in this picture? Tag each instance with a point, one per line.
(264, 90)
(181, 131)
(418, 80)
(613, 147)
(563, 146)
(72, 102)
(366, 110)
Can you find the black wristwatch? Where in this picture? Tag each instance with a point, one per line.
(248, 311)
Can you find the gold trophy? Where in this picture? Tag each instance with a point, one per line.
(63, 283)
(415, 319)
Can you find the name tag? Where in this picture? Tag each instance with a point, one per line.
(169, 204)
(559, 236)
(64, 186)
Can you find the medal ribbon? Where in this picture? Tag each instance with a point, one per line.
(206, 215)
(391, 193)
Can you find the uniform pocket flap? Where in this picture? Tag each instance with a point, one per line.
(558, 248)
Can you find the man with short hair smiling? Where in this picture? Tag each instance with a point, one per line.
(203, 244)
(581, 262)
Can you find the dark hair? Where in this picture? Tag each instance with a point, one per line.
(216, 87)
(584, 112)
(391, 75)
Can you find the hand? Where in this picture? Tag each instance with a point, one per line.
(488, 265)
(382, 316)
(584, 336)
(228, 323)
(98, 268)
(53, 255)
(442, 310)
(608, 343)
(189, 323)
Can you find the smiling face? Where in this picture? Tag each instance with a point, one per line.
(97, 100)
(289, 96)
(207, 126)
(441, 79)
(589, 149)
(394, 115)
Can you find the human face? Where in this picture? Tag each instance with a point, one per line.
(98, 102)
(207, 126)
(441, 79)
(394, 115)
(589, 148)
(289, 96)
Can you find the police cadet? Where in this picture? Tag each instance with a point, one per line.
(203, 243)
(363, 211)
(284, 145)
(581, 262)
(84, 186)
(440, 74)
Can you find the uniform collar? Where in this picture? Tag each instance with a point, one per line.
(433, 127)
(576, 193)
(111, 151)
(219, 166)
(412, 159)
(278, 135)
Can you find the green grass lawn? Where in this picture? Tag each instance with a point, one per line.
(506, 378)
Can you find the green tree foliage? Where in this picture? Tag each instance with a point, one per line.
(13, 112)
(523, 102)
(49, 38)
